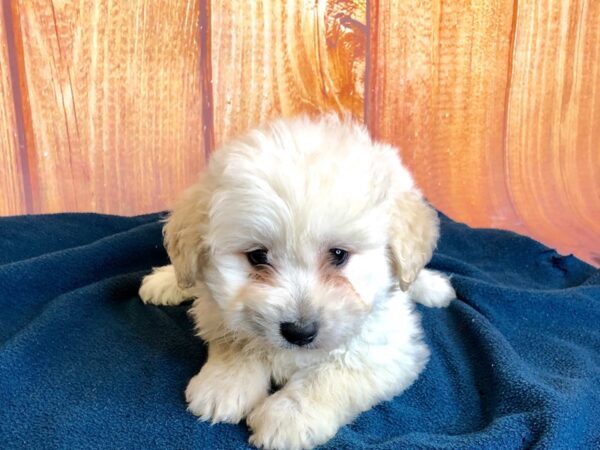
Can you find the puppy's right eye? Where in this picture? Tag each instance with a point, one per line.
(258, 257)
(339, 257)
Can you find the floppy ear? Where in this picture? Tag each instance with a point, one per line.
(184, 234)
(414, 231)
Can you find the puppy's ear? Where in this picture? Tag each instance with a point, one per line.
(414, 232)
(184, 234)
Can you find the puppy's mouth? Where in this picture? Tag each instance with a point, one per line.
(273, 338)
(277, 341)
(321, 342)
(307, 335)
(308, 347)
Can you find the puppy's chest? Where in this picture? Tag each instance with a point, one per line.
(284, 364)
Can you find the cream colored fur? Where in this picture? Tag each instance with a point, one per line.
(298, 188)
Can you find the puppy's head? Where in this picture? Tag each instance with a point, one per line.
(299, 230)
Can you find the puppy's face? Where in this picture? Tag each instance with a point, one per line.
(294, 232)
(295, 267)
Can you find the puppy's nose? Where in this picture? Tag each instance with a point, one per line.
(298, 334)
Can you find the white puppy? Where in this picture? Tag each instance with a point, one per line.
(303, 243)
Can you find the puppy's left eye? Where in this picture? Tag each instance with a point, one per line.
(258, 257)
(339, 257)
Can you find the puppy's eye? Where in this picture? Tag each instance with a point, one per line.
(339, 257)
(257, 257)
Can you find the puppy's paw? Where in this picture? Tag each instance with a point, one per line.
(161, 288)
(282, 422)
(223, 394)
(432, 289)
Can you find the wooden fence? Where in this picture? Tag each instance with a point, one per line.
(113, 106)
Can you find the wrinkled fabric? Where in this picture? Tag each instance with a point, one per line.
(84, 364)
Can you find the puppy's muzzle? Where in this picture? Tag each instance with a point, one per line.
(299, 334)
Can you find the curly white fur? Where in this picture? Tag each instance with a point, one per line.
(298, 188)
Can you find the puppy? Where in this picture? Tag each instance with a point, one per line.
(303, 245)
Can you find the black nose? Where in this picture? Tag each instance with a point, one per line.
(298, 334)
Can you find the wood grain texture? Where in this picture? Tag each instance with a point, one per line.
(115, 96)
(114, 106)
(12, 195)
(282, 57)
(437, 78)
(495, 108)
(553, 139)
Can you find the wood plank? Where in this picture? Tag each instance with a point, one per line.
(437, 77)
(12, 181)
(496, 110)
(116, 104)
(283, 57)
(553, 141)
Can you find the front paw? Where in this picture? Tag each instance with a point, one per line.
(283, 422)
(432, 289)
(218, 394)
(160, 288)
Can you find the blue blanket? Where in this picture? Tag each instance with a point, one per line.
(84, 364)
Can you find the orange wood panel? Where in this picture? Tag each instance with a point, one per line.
(282, 57)
(116, 104)
(495, 108)
(12, 195)
(438, 73)
(553, 140)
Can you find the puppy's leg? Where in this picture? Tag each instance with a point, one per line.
(161, 288)
(314, 404)
(432, 289)
(228, 386)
